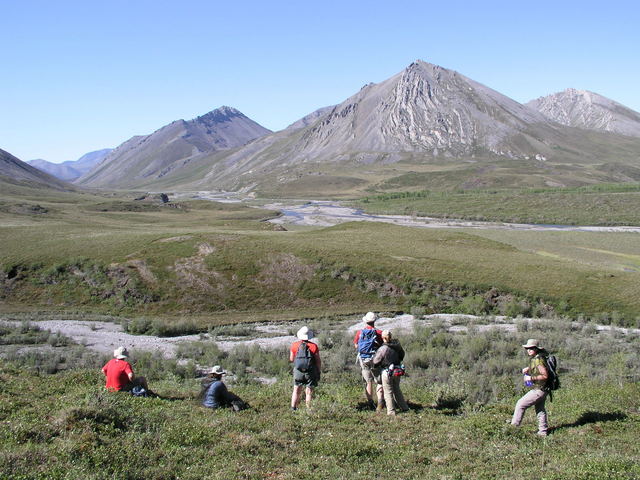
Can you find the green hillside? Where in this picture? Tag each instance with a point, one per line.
(115, 254)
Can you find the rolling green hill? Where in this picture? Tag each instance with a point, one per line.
(111, 254)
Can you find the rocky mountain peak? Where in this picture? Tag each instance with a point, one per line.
(588, 110)
(219, 115)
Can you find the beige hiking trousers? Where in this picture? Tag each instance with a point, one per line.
(393, 397)
(532, 397)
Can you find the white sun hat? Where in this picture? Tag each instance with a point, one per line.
(120, 353)
(304, 333)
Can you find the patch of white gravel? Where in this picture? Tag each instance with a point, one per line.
(104, 337)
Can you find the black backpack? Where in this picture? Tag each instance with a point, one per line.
(303, 360)
(553, 382)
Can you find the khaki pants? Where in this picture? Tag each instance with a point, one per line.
(393, 397)
(533, 397)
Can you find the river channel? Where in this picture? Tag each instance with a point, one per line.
(325, 214)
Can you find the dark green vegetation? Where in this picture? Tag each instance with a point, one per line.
(220, 263)
(591, 205)
(461, 388)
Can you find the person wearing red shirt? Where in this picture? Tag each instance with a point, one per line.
(365, 356)
(119, 373)
(305, 356)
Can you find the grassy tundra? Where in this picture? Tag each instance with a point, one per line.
(222, 263)
(616, 204)
(461, 388)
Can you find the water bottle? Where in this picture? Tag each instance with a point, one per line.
(527, 380)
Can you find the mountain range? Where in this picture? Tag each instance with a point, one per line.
(16, 172)
(72, 169)
(426, 127)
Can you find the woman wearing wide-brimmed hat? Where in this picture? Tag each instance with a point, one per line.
(535, 377)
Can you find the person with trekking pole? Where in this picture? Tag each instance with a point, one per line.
(366, 342)
(535, 377)
(305, 356)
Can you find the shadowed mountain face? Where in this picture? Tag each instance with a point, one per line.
(14, 170)
(584, 109)
(72, 169)
(143, 159)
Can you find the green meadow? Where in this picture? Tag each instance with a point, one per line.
(59, 423)
(223, 263)
(614, 204)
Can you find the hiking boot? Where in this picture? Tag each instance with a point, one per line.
(391, 413)
(542, 434)
(380, 408)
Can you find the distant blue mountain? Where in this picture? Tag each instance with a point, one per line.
(72, 169)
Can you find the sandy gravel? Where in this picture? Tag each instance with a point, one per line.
(104, 337)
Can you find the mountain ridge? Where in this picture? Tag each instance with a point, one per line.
(15, 171)
(71, 169)
(172, 147)
(588, 110)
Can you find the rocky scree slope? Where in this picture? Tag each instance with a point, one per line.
(423, 114)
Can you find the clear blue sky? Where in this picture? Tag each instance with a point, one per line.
(79, 76)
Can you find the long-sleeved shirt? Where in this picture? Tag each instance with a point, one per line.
(387, 354)
(217, 395)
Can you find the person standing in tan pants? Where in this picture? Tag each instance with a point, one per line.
(390, 354)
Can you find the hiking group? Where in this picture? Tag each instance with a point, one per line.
(380, 358)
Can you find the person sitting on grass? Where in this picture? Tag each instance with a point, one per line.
(119, 374)
(216, 394)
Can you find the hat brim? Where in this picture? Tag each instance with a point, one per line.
(530, 346)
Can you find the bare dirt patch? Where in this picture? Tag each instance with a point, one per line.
(193, 273)
(285, 269)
